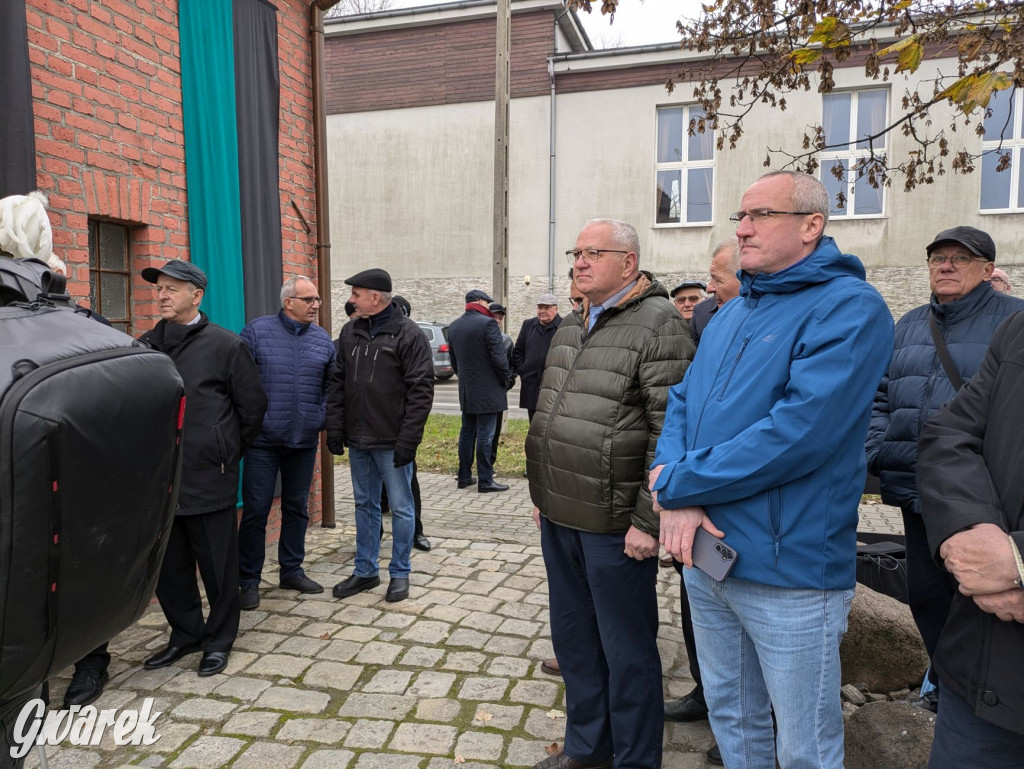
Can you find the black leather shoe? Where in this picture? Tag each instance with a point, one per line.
(464, 484)
(689, 708)
(213, 663)
(929, 701)
(421, 543)
(398, 589)
(85, 688)
(562, 761)
(249, 597)
(354, 584)
(302, 583)
(483, 488)
(714, 756)
(168, 655)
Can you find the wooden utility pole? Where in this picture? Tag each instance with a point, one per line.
(503, 43)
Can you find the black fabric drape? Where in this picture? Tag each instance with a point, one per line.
(257, 99)
(17, 132)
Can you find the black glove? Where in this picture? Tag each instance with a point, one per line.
(336, 442)
(404, 456)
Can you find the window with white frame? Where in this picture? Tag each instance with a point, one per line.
(685, 167)
(1003, 190)
(848, 119)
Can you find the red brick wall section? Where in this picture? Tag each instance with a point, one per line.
(439, 64)
(106, 80)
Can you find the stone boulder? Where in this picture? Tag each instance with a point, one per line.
(882, 648)
(889, 734)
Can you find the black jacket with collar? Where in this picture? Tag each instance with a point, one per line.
(528, 356)
(479, 359)
(224, 407)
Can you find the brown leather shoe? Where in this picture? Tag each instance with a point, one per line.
(550, 667)
(562, 761)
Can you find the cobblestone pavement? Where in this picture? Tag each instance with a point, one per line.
(449, 676)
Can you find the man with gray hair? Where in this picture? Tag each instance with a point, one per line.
(723, 286)
(295, 357)
(599, 414)
(763, 449)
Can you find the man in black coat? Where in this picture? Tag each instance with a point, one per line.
(531, 350)
(224, 407)
(723, 286)
(479, 359)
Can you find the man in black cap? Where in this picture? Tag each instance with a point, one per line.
(479, 359)
(378, 401)
(687, 295)
(498, 310)
(225, 403)
(938, 346)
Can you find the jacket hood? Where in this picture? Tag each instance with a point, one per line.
(824, 263)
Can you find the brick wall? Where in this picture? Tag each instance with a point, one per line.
(106, 81)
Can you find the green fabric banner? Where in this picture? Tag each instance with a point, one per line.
(211, 155)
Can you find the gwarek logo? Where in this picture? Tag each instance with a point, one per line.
(81, 726)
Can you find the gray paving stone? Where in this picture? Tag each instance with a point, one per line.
(294, 700)
(276, 602)
(388, 682)
(483, 745)
(208, 753)
(470, 662)
(482, 621)
(252, 723)
(369, 734)
(445, 597)
(332, 675)
(340, 650)
(259, 642)
(474, 588)
(421, 657)
(540, 724)
(542, 693)
(172, 736)
(496, 716)
(328, 759)
(192, 684)
(279, 623)
(466, 637)
(154, 679)
(203, 709)
(326, 730)
(525, 752)
(442, 710)
(476, 602)
(357, 633)
(320, 630)
(280, 665)
(478, 688)
(379, 653)
(432, 684)
(301, 646)
(508, 645)
(387, 761)
(520, 627)
(269, 755)
(424, 738)
(394, 620)
(314, 608)
(509, 667)
(523, 611)
(507, 594)
(242, 688)
(66, 758)
(427, 632)
(387, 706)
(449, 614)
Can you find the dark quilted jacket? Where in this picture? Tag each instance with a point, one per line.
(295, 361)
(916, 386)
(601, 409)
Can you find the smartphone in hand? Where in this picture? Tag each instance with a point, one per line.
(712, 556)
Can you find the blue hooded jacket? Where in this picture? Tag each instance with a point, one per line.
(766, 430)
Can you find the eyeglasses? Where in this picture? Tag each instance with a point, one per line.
(308, 299)
(1000, 281)
(957, 260)
(761, 214)
(590, 255)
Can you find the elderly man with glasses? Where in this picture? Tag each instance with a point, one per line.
(938, 346)
(295, 357)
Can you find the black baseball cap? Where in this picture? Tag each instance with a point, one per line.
(978, 242)
(179, 270)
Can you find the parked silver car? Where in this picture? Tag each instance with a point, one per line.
(437, 335)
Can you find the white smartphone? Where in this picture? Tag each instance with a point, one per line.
(712, 556)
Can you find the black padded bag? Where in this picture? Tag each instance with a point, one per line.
(90, 429)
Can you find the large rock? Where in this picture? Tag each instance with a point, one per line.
(882, 647)
(889, 735)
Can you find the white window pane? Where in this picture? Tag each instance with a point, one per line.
(866, 199)
(999, 125)
(836, 118)
(834, 186)
(668, 197)
(871, 117)
(670, 135)
(995, 185)
(701, 146)
(699, 183)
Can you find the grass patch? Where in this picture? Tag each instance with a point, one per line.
(439, 451)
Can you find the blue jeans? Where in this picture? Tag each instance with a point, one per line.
(477, 431)
(962, 739)
(764, 647)
(259, 475)
(371, 469)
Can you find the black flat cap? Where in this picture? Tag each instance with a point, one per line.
(689, 284)
(374, 279)
(477, 295)
(495, 307)
(178, 270)
(978, 242)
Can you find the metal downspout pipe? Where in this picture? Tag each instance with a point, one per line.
(551, 176)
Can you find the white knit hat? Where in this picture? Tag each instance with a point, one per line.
(25, 228)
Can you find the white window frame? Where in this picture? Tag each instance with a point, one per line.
(1015, 146)
(683, 165)
(852, 154)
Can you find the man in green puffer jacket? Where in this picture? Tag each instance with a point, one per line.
(599, 414)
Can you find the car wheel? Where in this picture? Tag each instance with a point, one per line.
(443, 376)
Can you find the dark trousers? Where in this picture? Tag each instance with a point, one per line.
(688, 639)
(259, 476)
(417, 502)
(209, 541)
(497, 437)
(964, 740)
(97, 659)
(477, 432)
(929, 589)
(604, 627)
